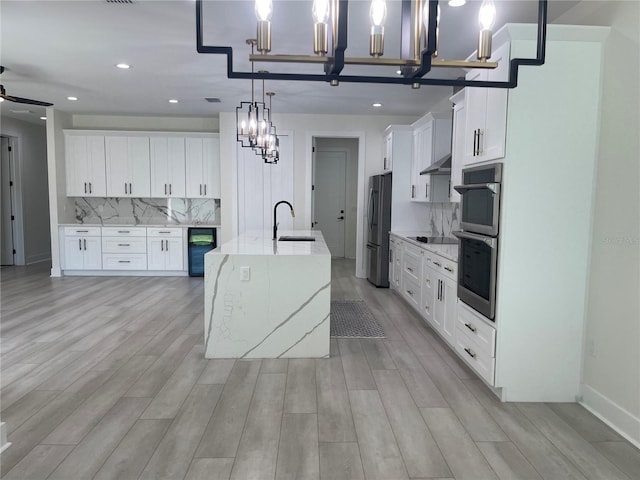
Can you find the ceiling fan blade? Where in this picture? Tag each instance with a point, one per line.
(27, 101)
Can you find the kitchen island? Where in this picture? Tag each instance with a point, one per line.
(266, 298)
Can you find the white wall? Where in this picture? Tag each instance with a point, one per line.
(611, 362)
(32, 160)
(172, 124)
(305, 127)
(350, 145)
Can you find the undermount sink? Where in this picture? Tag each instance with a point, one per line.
(286, 238)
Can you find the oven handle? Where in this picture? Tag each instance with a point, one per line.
(491, 241)
(493, 187)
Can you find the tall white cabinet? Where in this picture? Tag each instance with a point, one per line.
(203, 167)
(85, 165)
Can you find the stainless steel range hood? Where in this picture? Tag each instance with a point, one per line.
(441, 167)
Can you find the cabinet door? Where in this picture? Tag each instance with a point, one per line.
(476, 111)
(76, 165)
(194, 174)
(173, 254)
(211, 167)
(96, 166)
(117, 166)
(176, 167)
(457, 154)
(73, 253)
(495, 130)
(417, 153)
(438, 307)
(92, 253)
(428, 294)
(139, 171)
(159, 153)
(449, 299)
(387, 162)
(155, 253)
(426, 158)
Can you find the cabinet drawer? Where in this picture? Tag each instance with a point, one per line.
(124, 231)
(124, 262)
(124, 245)
(482, 363)
(445, 267)
(412, 262)
(473, 327)
(411, 290)
(164, 232)
(82, 231)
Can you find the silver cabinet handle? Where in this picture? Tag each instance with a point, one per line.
(125, 187)
(79, 244)
(167, 245)
(450, 270)
(130, 189)
(470, 353)
(85, 187)
(165, 232)
(470, 327)
(410, 269)
(449, 190)
(426, 191)
(410, 292)
(85, 243)
(165, 188)
(162, 245)
(205, 189)
(413, 191)
(124, 231)
(437, 264)
(124, 261)
(124, 244)
(480, 135)
(90, 188)
(82, 231)
(200, 189)
(169, 189)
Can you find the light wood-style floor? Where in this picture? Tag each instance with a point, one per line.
(105, 378)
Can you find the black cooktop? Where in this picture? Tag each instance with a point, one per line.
(436, 240)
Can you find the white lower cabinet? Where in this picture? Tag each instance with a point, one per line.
(165, 249)
(476, 342)
(440, 299)
(124, 248)
(82, 248)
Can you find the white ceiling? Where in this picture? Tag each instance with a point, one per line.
(55, 49)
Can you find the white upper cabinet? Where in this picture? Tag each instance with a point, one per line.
(85, 165)
(387, 151)
(203, 167)
(128, 168)
(486, 112)
(168, 167)
(457, 143)
(431, 142)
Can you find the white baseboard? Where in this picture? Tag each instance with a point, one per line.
(3, 438)
(622, 421)
(125, 273)
(40, 257)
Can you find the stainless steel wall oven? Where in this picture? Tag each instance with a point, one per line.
(478, 247)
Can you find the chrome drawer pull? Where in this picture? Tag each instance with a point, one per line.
(410, 269)
(450, 270)
(164, 232)
(471, 354)
(437, 264)
(124, 231)
(410, 292)
(473, 329)
(124, 244)
(82, 231)
(124, 261)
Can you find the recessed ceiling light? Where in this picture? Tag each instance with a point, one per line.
(1, 99)
(43, 118)
(123, 66)
(457, 3)
(376, 105)
(173, 100)
(399, 72)
(73, 99)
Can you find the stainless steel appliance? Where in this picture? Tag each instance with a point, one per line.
(435, 240)
(378, 226)
(478, 246)
(199, 242)
(480, 199)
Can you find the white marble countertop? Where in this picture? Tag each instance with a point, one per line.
(261, 243)
(151, 225)
(449, 252)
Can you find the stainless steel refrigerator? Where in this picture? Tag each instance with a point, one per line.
(378, 226)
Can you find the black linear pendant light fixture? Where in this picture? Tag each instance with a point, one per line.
(419, 34)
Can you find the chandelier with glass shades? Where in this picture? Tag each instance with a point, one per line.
(419, 31)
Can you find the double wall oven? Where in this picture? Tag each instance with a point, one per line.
(478, 247)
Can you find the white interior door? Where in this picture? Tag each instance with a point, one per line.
(330, 198)
(6, 235)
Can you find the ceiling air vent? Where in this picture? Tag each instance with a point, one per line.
(119, 1)
(212, 99)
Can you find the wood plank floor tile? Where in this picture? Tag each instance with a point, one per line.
(460, 451)
(377, 355)
(586, 424)
(356, 369)
(592, 463)
(210, 469)
(39, 462)
(300, 393)
(624, 455)
(217, 371)
(222, 435)
(335, 422)
(258, 449)
(87, 458)
(507, 461)
(23, 409)
(15, 372)
(419, 451)
(134, 451)
(298, 450)
(549, 462)
(340, 461)
(380, 454)
(167, 402)
(173, 456)
(274, 365)
(84, 418)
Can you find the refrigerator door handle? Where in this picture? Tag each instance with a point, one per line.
(370, 208)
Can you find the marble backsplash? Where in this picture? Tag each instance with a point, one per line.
(443, 218)
(147, 211)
